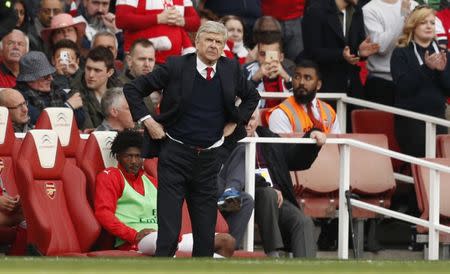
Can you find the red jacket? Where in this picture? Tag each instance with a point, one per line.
(108, 189)
(283, 9)
(138, 19)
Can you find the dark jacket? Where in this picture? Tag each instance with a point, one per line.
(324, 43)
(126, 77)
(176, 78)
(417, 87)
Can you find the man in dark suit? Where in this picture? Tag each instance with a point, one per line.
(197, 111)
(334, 37)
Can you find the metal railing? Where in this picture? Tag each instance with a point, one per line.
(344, 184)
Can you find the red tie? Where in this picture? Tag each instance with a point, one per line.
(209, 70)
(316, 123)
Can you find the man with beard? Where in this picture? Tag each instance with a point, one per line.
(303, 111)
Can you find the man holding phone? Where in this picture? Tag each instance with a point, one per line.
(268, 73)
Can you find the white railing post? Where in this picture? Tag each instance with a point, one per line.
(433, 233)
(344, 185)
(250, 156)
(341, 112)
(430, 140)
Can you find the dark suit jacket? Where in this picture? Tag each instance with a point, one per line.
(176, 79)
(324, 43)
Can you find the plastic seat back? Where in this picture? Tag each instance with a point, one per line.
(63, 122)
(53, 191)
(443, 146)
(97, 157)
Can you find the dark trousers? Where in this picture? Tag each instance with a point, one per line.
(186, 173)
(286, 227)
(379, 90)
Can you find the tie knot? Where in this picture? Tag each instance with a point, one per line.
(209, 71)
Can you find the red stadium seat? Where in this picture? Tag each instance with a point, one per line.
(97, 157)
(59, 218)
(371, 174)
(375, 121)
(443, 145)
(422, 184)
(63, 122)
(9, 147)
(151, 167)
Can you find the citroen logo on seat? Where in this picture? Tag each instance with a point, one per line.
(45, 139)
(61, 118)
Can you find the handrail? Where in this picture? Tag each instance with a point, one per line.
(342, 99)
(344, 185)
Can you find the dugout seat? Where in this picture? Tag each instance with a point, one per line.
(97, 157)
(63, 122)
(9, 147)
(375, 121)
(151, 167)
(371, 174)
(59, 218)
(317, 188)
(421, 177)
(443, 146)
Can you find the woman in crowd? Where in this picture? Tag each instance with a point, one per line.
(23, 19)
(421, 74)
(235, 43)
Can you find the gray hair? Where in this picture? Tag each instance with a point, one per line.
(27, 41)
(111, 99)
(106, 33)
(212, 27)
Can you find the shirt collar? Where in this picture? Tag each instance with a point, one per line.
(129, 176)
(5, 69)
(202, 66)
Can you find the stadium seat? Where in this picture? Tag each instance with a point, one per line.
(443, 146)
(59, 218)
(151, 167)
(375, 121)
(421, 177)
(97, 157)
(317, 187)
(9, 147)
(371, 174)
(63, 122)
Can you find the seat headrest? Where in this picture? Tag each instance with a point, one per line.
(61, 121)
(3, 123)
(104, 140)
(46, 145)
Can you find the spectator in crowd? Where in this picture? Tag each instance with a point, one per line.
(66, 59)
(235, 47)
(47, 10)
(96, 14)
(126, 202)
(384, 20)
(23, 18)
(420, 71)
(268, 73)
(302, 111)
(13, 46)
(281, 221)
(108, 40)
(35, 83)
(116, 110)
(197, 111)
(164, 22)
(94, 82)
(248, 10)
(11, 215)
(266, 29)
(17, 108)
(289, 13)
(141, 61)
(334, 37)
(62, 27)
(444, 16)
(207, 15)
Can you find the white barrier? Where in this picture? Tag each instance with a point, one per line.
(344, 184)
